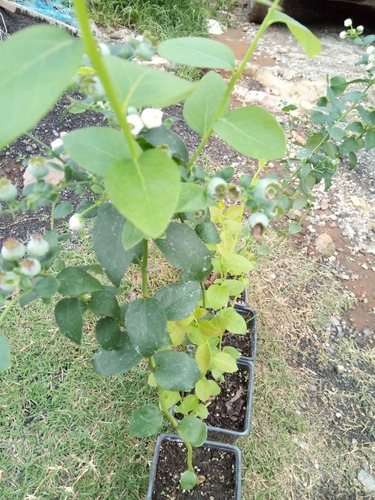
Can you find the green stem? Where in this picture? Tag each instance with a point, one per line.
(144, 268)
(93, 53)
(203, 295)
(236, 75)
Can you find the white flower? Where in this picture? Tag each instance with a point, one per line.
(104, 49)
(30, 267)
(348, 22)
(152, 118)
(12, 249)
(57, 143)
(136, 124)
(370, 49)
(37, 246)
(370, 66)
(8, 281)
(343, 35)
(360, 29)
(76, 222)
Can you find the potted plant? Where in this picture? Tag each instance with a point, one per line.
(141, 186)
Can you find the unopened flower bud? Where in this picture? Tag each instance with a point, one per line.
(76, 222)
(136, 124)
(12, 249)
(8, 191)
(360, 30)
(56, 144)
(37, 167)
(37, 246)
(348, 22)
(104, 49)
(152, 118)
(30, 267)
(370, 49)
(343, 35)
(8, 281)
(217, 188)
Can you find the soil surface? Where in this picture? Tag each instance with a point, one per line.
(217, 467)
(281, 72)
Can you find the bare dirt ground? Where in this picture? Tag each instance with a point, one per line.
(337, 367)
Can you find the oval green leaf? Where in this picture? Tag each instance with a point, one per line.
(179, 299)
(146, 421)
(198, 52)
(176, 371)
(117, 361)
(68, 315)
(193, 430)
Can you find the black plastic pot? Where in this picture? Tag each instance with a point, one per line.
(230, 436)
(232, 455)
(248, 347)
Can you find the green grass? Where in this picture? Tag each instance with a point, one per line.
(64, 430)
(163, 18)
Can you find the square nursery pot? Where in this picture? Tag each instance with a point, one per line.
(218, 463)
(230, 412)
(245, 344)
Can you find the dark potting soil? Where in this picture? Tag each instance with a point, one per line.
(217, 467)
(243, 343)
(228, 409)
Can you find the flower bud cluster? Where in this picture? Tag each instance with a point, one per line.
(218, 189)
(351, 32)
(370, 59)
(149, 118)
(13, 253)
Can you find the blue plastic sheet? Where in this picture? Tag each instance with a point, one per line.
(60, 10)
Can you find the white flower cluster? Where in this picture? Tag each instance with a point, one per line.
(351, 32)
(13, 251)
(150, 118)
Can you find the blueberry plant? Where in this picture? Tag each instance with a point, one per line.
(141, 186)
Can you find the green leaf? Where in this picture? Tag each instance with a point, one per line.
(370, 140)
(108, 333)
(294, 228)
(216, 297)
(224, 362)
(337, 133)
(46, 287)
(203, 389)
(192, 198)
(188, 480)
(179, 299)
(236, 323)
(36, 65)
(62, 209)
(117, 361)
(131, 235)
(351, 144)
(309, 42)
(201, 107)
(145, 190)
(162, 136)
(237, 264)
(235, 287)
(107, 241)
(68, 315)
(193, 430)
(252, 131)
(183, 248)
(104, 303)
(208, 232)
(176, 371)
(146, 421)
(75, 281)
(142, 86)
(203, 359)
(188, 404)
(96, 148)
(4, 353)
(354, 95)
(198, 52)
(146, 324)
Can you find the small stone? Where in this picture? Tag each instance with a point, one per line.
(313, 388)
(367, 481)
(364, 266)
(334, 321)
(333, 225)
(355, 277)
(324, 205)
(324, 244)
(339, 369)
(338, 415)
(367, 332)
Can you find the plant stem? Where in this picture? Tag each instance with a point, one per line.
(144, 268)
(93, 53)
(236, 75)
